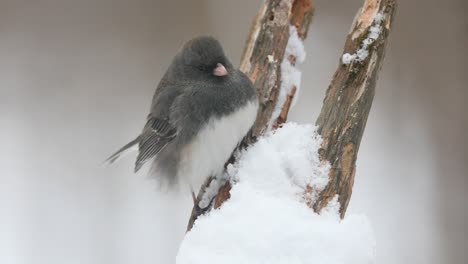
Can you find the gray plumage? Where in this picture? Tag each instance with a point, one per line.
(189, 100)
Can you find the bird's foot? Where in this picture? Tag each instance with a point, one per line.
(199, 210)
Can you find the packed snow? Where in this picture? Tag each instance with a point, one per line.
(372, 35)
(290, 74)
(266, 220)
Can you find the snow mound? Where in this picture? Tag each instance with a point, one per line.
(266, 219)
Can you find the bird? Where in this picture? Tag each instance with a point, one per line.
(201, 110)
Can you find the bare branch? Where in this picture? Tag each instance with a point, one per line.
(349, 98)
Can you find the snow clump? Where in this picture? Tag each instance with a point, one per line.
(266, 219)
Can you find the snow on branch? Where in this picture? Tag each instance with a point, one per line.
(290, 78)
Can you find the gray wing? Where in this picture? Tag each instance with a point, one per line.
(156, 135)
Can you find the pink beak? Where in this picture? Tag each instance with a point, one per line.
(220, 70)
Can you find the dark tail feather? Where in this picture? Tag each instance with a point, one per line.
(122, 151)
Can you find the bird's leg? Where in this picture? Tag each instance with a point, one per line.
(197, 208)
(194, 198)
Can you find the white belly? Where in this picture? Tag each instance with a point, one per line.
(206, 154)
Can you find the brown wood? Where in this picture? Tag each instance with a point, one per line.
(286, 107)
(223, 195)
(261, 61)
(348, 101)
(265, 49)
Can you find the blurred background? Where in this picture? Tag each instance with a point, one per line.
(76, 81)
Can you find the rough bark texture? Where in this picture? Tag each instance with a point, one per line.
(348, 101)
(286, 107)
(265, 49)
(261, 60)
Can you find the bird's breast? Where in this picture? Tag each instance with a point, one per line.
(206, 154)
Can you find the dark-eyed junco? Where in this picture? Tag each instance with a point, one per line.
(201, 110)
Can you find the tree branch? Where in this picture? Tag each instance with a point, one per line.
(349, 98)
(261, 62)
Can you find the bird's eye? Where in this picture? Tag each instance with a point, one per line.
(201, 68)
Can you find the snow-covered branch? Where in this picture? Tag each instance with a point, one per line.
(266, 219)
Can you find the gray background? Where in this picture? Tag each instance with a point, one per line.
(76, 80)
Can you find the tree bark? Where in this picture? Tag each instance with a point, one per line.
(349, 98)
(261, 62)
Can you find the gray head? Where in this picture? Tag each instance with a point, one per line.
(201, 59)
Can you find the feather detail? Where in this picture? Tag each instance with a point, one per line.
(122, 151)
(153, 140)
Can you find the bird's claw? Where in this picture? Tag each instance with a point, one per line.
(199, 210)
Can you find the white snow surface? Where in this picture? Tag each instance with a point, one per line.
(290, 74)
(348, 58)
(266, 219)
(373, 34)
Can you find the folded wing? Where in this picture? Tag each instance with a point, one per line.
(155, 137)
